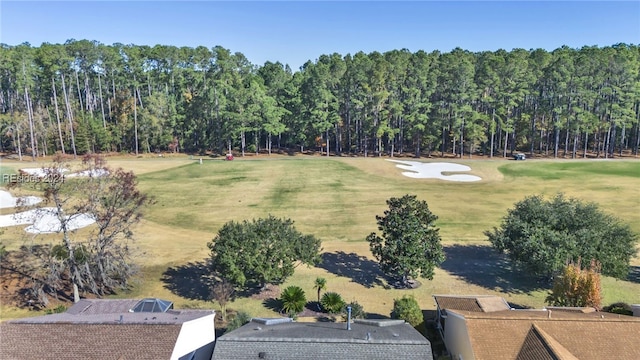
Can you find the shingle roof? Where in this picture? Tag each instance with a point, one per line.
(583, 310)
(474, 303)
(86, 341)
(101, 306)
(96, 329)
(535, 348)
(556, 348)
(323, 341)
(173, 317)
(107, 311)
(503, 334)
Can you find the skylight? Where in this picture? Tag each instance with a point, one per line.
(152, 305)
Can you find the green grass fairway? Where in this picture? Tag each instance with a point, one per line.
(337, 200)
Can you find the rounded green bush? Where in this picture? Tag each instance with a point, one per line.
(407, 309)
(239, 320)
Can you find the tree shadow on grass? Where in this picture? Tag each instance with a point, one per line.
(482, 265)
(634, 274)
(519, 306)
(273, 304)
(192, 281)
(358, 268)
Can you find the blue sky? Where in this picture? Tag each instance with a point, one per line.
(293, 32)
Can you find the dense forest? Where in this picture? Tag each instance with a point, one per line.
(84, 96)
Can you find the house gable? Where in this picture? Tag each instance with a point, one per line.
(565, 335)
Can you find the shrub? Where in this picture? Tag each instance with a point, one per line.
(577, 286)
(240, 319)
(332, 302)
(56, 310)
(293, 300)
(619, 308)
(407, 309)
(357, 311)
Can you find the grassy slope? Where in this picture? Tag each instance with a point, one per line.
(337, 199)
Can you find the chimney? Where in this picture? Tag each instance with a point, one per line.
(549, 314)
(121, 319)
(636, 309)
(349, 317)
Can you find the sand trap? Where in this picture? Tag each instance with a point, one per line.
(8, 201)
(42, 220)
(45, 221)
(40, 172)
(420, 170)
(92, 173)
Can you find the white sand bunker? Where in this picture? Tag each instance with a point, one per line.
(91, 173)
(8, 201)
(45, 221)
(420, 170)
(40, 172)
(42, 220)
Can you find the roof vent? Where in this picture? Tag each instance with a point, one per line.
(271, 321)
(152, 305)
(380, 322)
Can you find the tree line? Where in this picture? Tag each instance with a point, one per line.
(84, 96)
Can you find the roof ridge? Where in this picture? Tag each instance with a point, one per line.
(495, 315)
(554, 345)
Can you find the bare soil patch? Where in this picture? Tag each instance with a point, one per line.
(269, 292)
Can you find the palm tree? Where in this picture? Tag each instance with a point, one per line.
(321, 284)
(293, 300)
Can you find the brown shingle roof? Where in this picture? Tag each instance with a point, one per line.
(535, 348)
(86, 341)
(558, 350)
(586, 336)
(475, 303)
(583, 310)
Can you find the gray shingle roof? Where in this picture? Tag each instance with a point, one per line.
(173, 317)
(323, 340)
(106, 311)
(101, 306)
